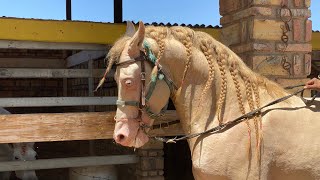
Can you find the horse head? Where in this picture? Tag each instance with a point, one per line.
(25, 152)
(141, 91)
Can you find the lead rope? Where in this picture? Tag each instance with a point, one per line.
(223, 127)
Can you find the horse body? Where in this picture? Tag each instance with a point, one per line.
(216, 87)
(290, 150)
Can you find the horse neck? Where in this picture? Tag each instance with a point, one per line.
(235, 89)
(190, 88)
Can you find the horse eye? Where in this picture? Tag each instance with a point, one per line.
(128, 82)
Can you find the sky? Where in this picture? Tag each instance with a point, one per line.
(174, 11)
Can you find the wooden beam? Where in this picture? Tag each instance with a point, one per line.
(56, 101)
(64, 31)
(84, 56)
(50, 73)
(60, 31)
(32, 63)
(13, 44)
(117, 11)
(74, 34)
(17, 128)
(215, 33)
(68, 9)
(67, 162)
(315, 41)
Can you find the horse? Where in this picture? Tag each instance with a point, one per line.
(209, 86)
(17, 152)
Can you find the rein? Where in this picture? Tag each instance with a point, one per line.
(224, 127)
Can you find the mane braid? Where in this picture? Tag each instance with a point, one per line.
(259, 121)
(158, 34)
(235, 75)
(223, 89)
(206, 48)
(185, 36)
(249, 92)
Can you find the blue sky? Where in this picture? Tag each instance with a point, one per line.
(173, 11)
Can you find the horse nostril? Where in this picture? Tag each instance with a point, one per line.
(120, 138)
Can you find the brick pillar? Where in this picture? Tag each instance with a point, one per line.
(151, 164)
(252, 29)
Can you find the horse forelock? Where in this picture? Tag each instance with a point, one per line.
(114, 53)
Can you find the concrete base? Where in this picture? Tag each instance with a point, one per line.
(93, 173)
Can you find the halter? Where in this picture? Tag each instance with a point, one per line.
(143, 104)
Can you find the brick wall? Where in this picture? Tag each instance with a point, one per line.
(253, 29)
(151, 164)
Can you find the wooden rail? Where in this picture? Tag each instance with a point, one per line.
(51, 73)
(17, 128)
(67, 162)
(56, 101)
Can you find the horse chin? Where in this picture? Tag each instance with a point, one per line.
(141, 139)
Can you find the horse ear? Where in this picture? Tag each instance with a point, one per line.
(130, 29)
(137, 40)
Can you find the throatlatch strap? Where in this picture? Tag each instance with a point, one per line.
(127, 103)
(143, 82)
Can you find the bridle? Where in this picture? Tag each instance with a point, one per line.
(143, 103)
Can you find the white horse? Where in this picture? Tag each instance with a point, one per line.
(18, 151)
(212, 86)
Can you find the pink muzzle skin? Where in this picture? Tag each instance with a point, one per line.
(128, 132)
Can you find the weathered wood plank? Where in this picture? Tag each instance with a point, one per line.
(67, 162)
(51, 73)
(84, 56)
(32, 63)
(56, 101)
(17, 128)
(13, 44)
(60, 31)
(315, 41)
(88, 35)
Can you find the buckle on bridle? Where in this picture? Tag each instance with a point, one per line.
(143, 76)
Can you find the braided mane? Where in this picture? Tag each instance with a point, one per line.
(214, 51)
(221, 60)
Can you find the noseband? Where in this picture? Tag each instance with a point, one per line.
(143, 105)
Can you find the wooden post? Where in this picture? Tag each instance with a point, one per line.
(68, 9)
(117, 10)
